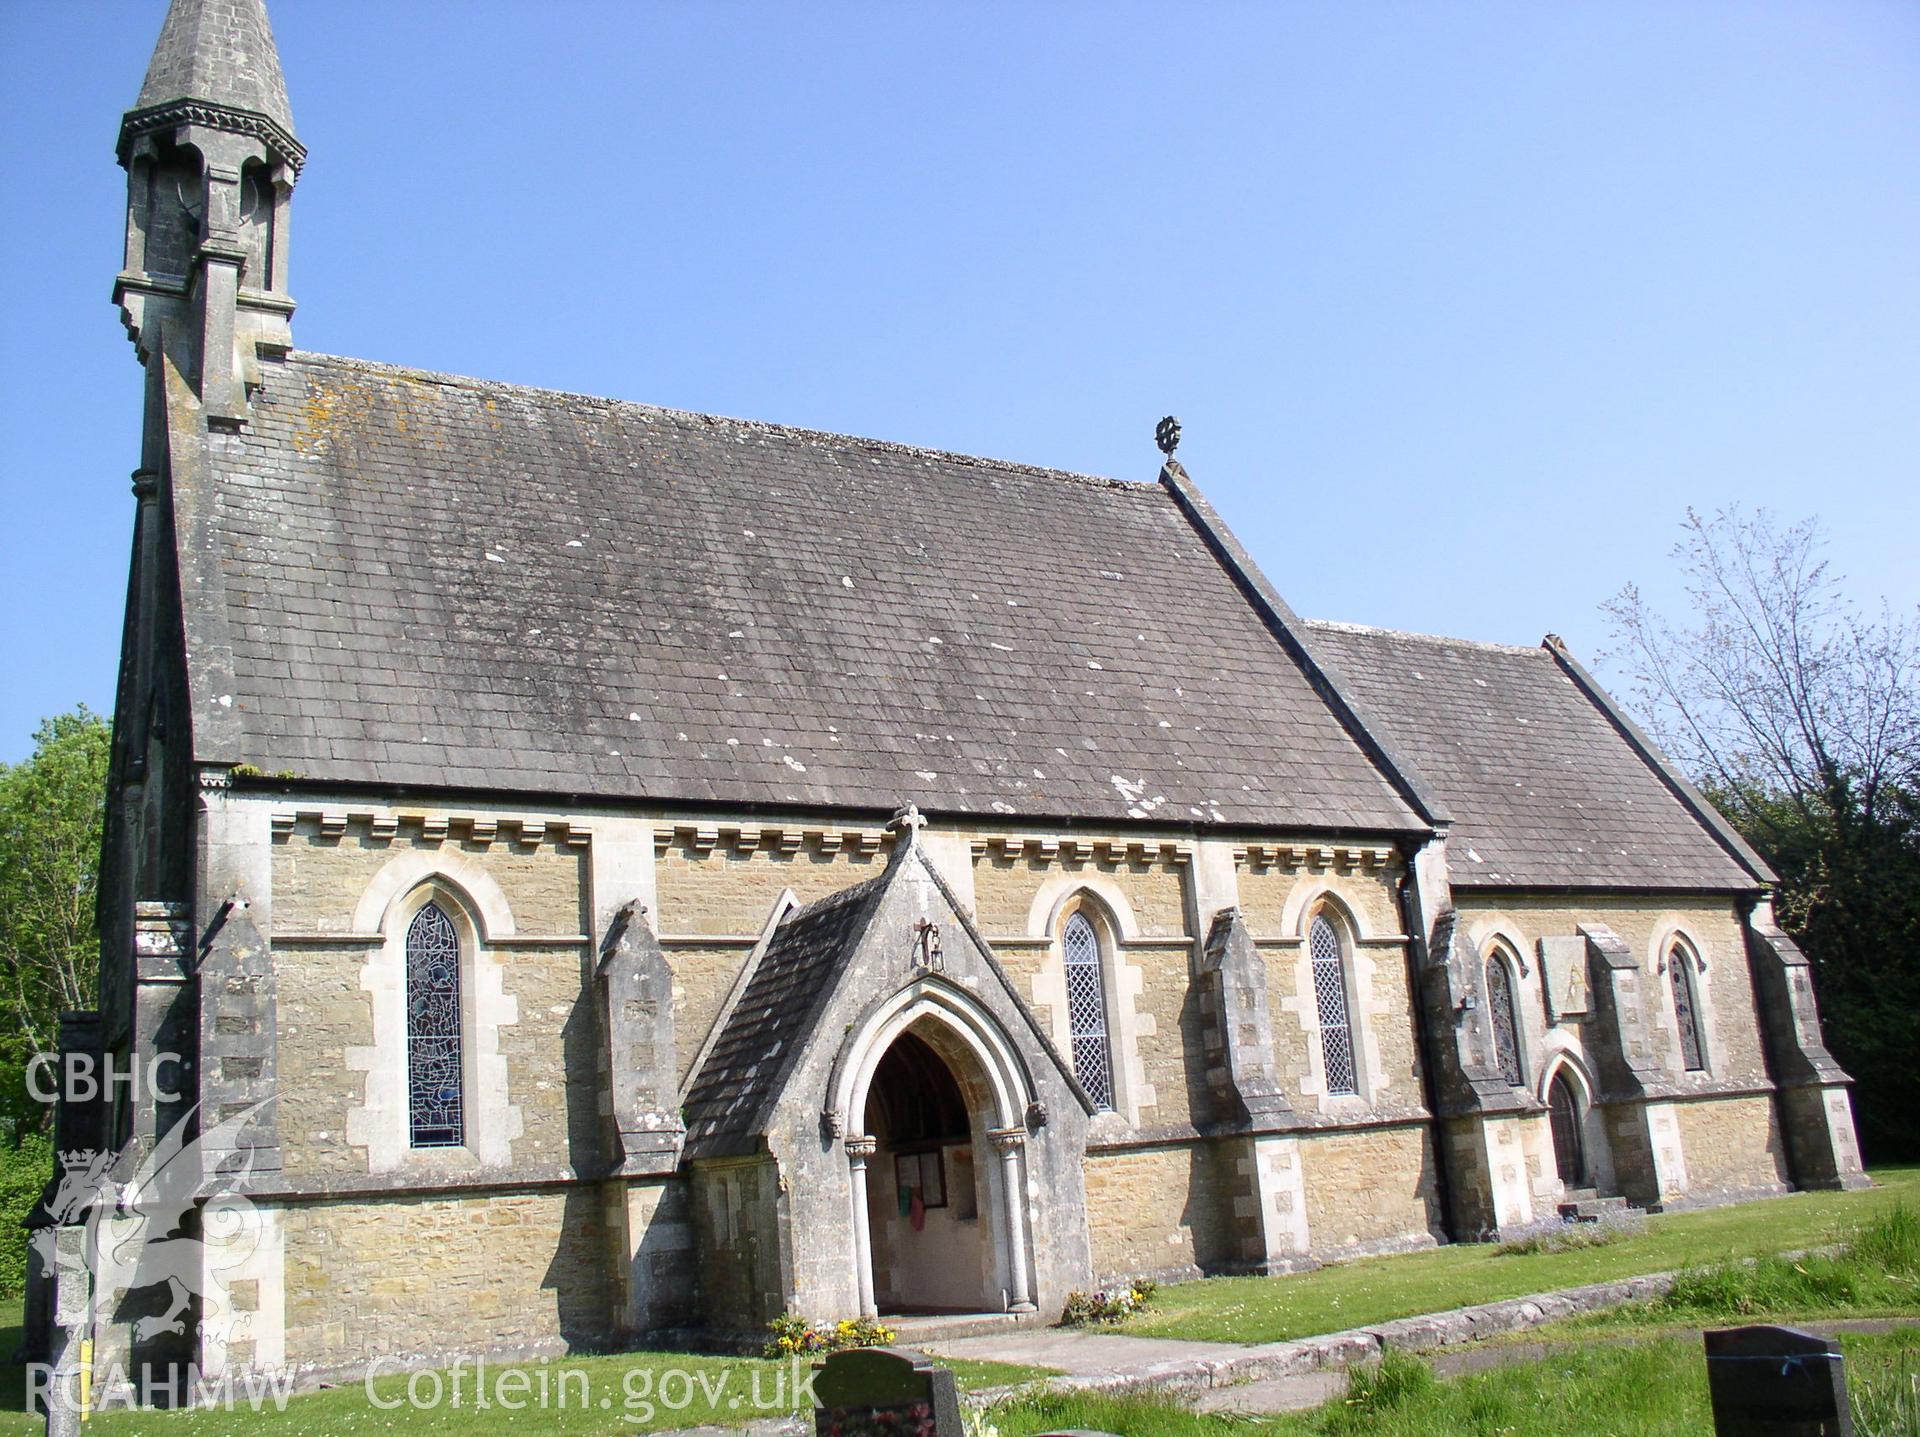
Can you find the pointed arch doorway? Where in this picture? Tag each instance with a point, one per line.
(940, 1204)
(1569, 1142)
(930, 1250)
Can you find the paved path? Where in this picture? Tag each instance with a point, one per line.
(1288, 1376)
(1077, 1351)
(1276, 1394)
(1112, 1361)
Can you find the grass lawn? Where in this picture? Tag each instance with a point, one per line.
(1354, 1294)
(623, 1392)
(12, 1376)
(1877, 1274)
(1650, 1389)
(633, 1392)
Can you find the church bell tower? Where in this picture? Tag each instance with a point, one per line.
(211, 162)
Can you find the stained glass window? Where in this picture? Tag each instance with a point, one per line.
(433, 1031)
(1506, 1029)
(1087, 1011)
(1330, 993)
(1686, 1014)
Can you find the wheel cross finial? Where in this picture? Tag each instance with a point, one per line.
(1166, 434)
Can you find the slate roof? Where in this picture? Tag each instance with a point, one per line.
(726, 1107)
(220, 51)
(431, 581)
(1544, 789)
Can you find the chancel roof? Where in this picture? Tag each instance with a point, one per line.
(1545, 787)
(428, 581)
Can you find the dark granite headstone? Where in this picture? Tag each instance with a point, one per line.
(1776, 1382)
(883, 1392)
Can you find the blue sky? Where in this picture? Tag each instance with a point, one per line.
(1461, 304)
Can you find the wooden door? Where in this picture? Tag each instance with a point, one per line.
(1569, 1149)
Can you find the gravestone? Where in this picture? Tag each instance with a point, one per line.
(883, 1392)
(1776, 1382)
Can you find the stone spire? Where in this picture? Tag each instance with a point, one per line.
(218, 53)
(211, 161)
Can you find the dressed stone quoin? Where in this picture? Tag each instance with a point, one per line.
(612, 872)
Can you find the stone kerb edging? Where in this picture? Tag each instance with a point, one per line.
(1333, 1351)
(1189, 1376)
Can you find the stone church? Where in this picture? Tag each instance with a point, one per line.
(612, 872)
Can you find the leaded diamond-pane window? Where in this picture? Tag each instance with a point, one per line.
(1087, 1011)
(1685, 1013)
(434, 1104)
(1506, 1030)
(1330, 993)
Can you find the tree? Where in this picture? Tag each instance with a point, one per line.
(1799, 715)
(52, 815)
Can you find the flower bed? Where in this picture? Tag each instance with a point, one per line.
(1106, 1304)
(793, 1335)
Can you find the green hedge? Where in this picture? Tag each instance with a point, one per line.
(24, 1171)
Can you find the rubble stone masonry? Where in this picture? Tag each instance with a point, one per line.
(499, 1260)
(389, 1276)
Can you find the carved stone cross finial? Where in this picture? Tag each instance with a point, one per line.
(909, 820)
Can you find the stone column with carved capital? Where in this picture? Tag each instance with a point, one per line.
(859, 1148)
(1009, 1142)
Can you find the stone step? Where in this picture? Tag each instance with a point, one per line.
(1586, 1205)
(914, 1329)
